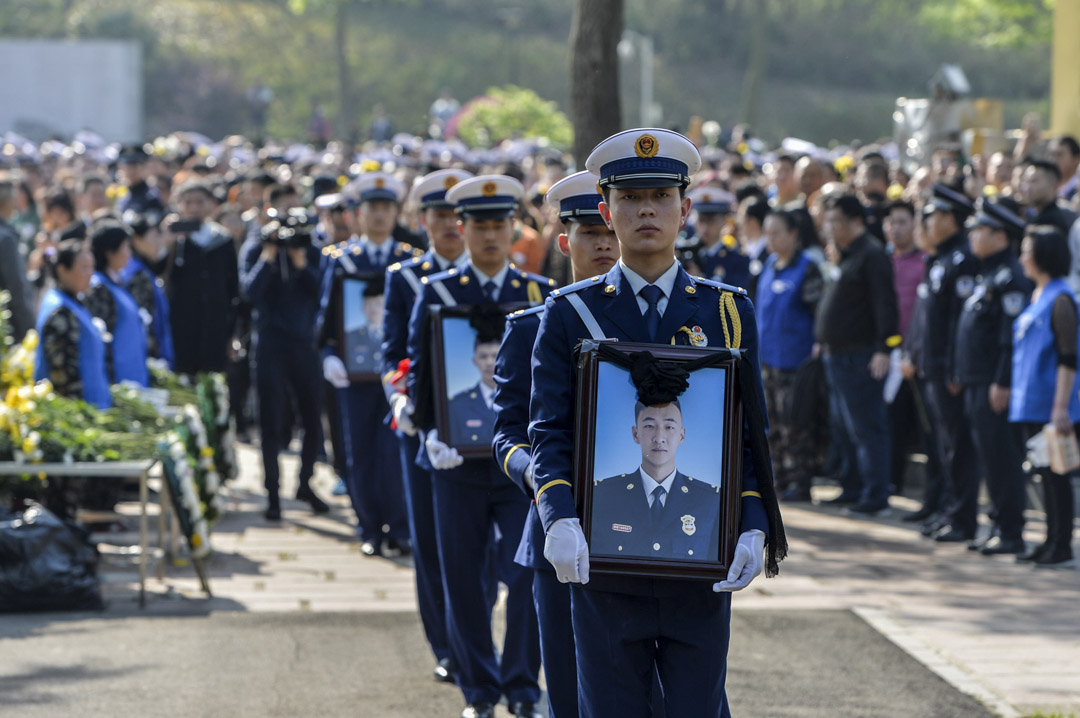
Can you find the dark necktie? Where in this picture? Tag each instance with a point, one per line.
(656, 511)
(652, 294)
(489, 290)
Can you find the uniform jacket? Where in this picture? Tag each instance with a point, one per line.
(470, 418)
(950, 280)
(984, 332)
(725, 264)
(402, 287)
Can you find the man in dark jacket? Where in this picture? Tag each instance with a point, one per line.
(12, 270)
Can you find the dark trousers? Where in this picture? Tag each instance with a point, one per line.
(552, 601)
(958, 456)
(912, 428)
(333, 428)
(791, 446)
(238, 377)
(860, 406)
(622, 640)
(420, 506)
(283, 363)
(465, 514)
(998, 447)
(373, 465)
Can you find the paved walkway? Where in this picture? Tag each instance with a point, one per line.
(1008, 634)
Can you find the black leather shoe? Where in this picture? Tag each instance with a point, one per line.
(976, 544)
(951, 534)
(371, 548)
(525, 710)
(1034, 554)
(478, 710)
(308, 495)
(932, 526)
(916, 516)
(273, 512)
(997, 545)
(842, 500)
(399, 547)
(444, 671)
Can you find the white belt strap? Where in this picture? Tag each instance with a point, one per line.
(410, 277)
(346, 261)
(444, 294)
(587, 317)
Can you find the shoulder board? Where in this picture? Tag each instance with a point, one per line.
(739, 291)
(440, 276)
(519, 314)
(577, 286)
(545, 281)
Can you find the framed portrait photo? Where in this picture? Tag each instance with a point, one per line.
(657, 486)
(361, 330)
(465, 343)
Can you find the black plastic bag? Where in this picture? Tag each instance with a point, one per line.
(46, 564)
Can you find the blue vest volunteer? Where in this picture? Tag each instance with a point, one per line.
(784, 320)
(159, 320)
(1035, 361)
(129, 335)
(91, 349)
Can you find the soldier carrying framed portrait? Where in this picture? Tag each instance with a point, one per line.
(360, 318)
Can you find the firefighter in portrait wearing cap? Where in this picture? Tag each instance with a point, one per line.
(473, 497)
(447, 249)
(719, 257)
(646, 297)
(984, 345)
(593, 250)
(373, 469)
(950, 281)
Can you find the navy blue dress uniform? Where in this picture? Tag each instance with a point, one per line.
(373, 466)
(402, 287)
(577, 200)
(626, 626)
(950, 279)
(476, 496)
(472, 420)
(983, 358)
(723, 261)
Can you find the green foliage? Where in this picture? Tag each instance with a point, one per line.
(513, 112)
(991, 23)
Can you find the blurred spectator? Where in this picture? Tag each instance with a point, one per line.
(783, 187)
(1039, 188)
(12, 270)
(441, 111)
(1065, 153)
(131, 172)
(109, 301)
(91, 197)
(25, 220)
(319, 130)
(382, 127)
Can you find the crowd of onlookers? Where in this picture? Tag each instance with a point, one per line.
(875, 282)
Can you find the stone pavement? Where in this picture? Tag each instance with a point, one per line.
(1007, 634)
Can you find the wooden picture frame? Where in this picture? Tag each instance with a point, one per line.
(458, 370)
(360, 349)
(692, 537)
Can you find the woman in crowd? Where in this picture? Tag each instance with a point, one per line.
(140, 278)
(1044, 386)
(71, 351)
(107, 299)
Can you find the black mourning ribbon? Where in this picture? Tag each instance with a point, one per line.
(661, 382)
(489, 321)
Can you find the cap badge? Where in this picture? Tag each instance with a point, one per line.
(706, 198)
(688, 526)
(379, 183)
(488, 190)
(646, 146)
(449, 182)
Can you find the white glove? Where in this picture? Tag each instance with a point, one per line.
(401, 407)
(442, 456)
(528, 477)
(565, 549)
(747, 563)
(334, 371)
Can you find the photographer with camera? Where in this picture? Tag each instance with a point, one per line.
(280, 276)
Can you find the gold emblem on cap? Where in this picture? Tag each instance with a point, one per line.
(379, 183)
(449, 182)
(609, 289)
(706, 198)
(646, 146)
(489, 189)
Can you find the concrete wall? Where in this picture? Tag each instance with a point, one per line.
(60, 87)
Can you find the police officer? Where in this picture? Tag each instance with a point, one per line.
(474, 497)
(593, 250)
(950, 281)
(619, 634)
(402, 286)
(373, 470)
(719, 257)
(984, 367)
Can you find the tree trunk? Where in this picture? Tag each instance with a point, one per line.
(757, 63)
(594, 73)
(345, 110)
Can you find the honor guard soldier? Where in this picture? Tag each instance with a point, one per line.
(373, 470)
(447, 249)
(473, 497)
(984, 368)
(719, 257)
(593, 250)
(950, 280)
(646, 298)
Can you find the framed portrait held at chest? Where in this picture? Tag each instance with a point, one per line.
(464, 344)
(360, 314)
(658, 458)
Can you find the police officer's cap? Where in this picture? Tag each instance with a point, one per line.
(997, 216)
(486, 196)
(946, 199)
(430, 190)
(324, 184)
(576, 198)
(711, 200)
(132, 154)
(643, 158)
(326, 202)
(377, 186)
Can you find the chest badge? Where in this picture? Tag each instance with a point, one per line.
(697, 337)
(688, 524)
